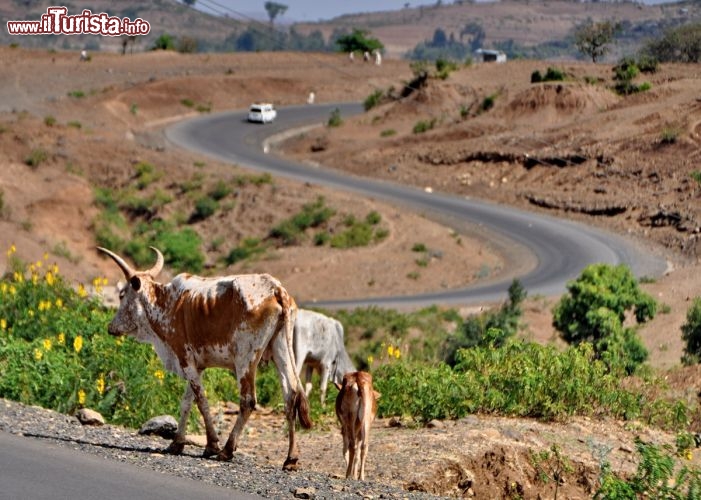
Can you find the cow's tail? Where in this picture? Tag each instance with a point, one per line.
(289, 314)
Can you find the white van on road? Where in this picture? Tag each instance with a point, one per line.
(262, 113)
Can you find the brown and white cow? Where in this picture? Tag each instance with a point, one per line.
(356, 407)
(230, 322)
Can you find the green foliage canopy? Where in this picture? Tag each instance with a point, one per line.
(358, 41)
(593, 39)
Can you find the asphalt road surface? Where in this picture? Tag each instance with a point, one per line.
(34, 470)
(542, 252)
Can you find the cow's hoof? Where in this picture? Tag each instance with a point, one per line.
(225, 456)
(210, 451)
(290, 464)
(175, 448)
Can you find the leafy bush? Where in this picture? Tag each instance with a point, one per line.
(691, 333)
(220, 191)
(205, 207)
(487, 103)
(594, 311)
(373, 100)
(146, 174)
(491, 328)
(551, 75)
(164, 42)
(36, 157)
(444, 67)
(181, 249)
(248, 248)
(657, 476)
(423, 126)
(388, 132)
(335, 119)
(49, 121)
(312, 215)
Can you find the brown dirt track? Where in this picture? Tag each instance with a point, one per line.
(629, 181)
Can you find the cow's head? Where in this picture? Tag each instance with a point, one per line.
(134, 297)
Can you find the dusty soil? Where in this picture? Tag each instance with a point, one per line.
(569, 149)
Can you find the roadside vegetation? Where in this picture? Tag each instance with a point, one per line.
(55, 352)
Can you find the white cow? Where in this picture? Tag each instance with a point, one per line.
(318, 344)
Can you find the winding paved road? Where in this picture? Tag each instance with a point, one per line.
(543, 252)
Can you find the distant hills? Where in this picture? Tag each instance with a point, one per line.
(525, 28)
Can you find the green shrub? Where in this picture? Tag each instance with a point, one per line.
(691, 333)
(76, 94)
(49, 121)
(491, 328)
(551, 75)
(487, 103)
(220, 191)
(696, 175)
(423, 126)
(373, 100)
(36, 157)
(373, 218)
(205, 207)
(181, 250)
(248, 248)
(335, 119)
(657, 476)
(146, 174)
(595, 308)
(388, 132)
(313, 214)
(419, 247)
(188, 103)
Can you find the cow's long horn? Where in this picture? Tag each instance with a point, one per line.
(128, 271)
(158, 266)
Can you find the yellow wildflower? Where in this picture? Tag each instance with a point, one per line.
(47, 344)
(104, 281)
(3, 324)
(390, 350)
(35, 278)
(54, 269)
(18, 277)
(59, 303)
(120, 341)
(30, 313)
(11, 250)
(78, 343)
(39, 264)
(3, 288)
(81, 397)
(397, 354)
(61, 338)
(688, 455)
(82, 293)
(13, 290)
(100, 384)
(160, 375)
(38, 354)
(371, 358)
(46, 256)
(49, 277)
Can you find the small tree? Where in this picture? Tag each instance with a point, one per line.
(595, 309)
(691, 333)
(358, 41)
(593, 39)
(274, 9)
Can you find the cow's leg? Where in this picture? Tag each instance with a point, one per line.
(195, 383)
(247, 403)
(352, 456)
(308, 372)
(323, 384)
(178, 444)
(291, 390)
(364, 445)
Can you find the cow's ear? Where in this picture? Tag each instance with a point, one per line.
(135, 283)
